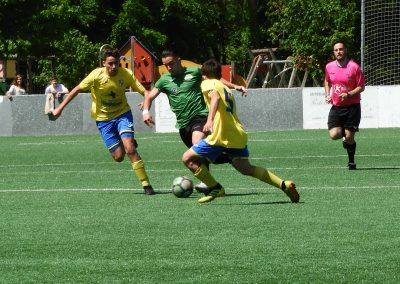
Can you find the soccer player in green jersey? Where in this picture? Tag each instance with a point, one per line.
(112, 112)
(227, 136)
(182, 87)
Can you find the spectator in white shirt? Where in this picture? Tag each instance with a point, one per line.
(17, 87)
(54, 91)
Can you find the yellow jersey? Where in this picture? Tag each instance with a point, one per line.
(227, 130)
(108, 93)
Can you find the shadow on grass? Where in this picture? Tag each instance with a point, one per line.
(377, 168)
(246, 193)
(255, 203)
(157, 192)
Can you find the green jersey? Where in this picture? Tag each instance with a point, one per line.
(184, 95)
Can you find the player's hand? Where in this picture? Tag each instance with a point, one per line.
(140, 105)
(241, 89)
(148, 119)
(344, 96)
(56, 112)
(328, 99)
(207, 128)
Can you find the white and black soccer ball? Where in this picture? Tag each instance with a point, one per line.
(182, 187)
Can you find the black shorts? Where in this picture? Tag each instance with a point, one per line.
(345, 117)
(196, 124)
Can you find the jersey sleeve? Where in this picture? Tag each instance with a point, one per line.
(207, 86)
(64, 89)
(47, 91)
(360, 80)
(327, 74)
(135, 84)
(88, 82)
(160, 84)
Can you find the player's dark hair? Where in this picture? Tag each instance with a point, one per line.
(212, 69)
(110, 52)
(169, 52)
(339, 40)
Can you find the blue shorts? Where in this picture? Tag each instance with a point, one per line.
(212, 152)
(115, 129)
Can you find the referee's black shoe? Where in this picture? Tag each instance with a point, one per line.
(352, 166)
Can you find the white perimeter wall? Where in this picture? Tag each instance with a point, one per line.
(379, 107)
(262, 109)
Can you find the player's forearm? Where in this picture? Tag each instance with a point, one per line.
(75, 91)
(327, 87)
(229, 84)
(356, 91)
(213, 107)
(149, 97)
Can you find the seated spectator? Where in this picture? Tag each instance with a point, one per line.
(17, 87)
(54, 91)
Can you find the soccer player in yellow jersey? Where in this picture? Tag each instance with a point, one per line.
(112, 112)
(226, 135)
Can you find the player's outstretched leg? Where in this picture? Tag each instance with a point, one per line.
(287, 186)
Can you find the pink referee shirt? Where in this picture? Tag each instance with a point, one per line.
(344, 79)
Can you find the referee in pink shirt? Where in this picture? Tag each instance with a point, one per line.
(344, 81)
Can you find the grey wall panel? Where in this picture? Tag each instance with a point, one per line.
(262, 109)
(29, 118)
(271, 109)
(5, 117)
(25, 116)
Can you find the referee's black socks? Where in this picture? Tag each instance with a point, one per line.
(351, 151)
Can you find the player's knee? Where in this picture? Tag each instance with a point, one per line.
(118, 158)
(335, 136)
(243, 167)
(186, 159)
(190, 161)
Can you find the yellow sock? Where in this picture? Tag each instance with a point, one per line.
(204, 175)
(138, 168)
(268, 177)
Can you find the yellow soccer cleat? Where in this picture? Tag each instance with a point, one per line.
(216, 191)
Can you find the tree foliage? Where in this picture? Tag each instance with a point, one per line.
(307, 28)
(73, 30)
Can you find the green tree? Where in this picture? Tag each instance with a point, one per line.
(307, 28)
(140, 19)
(62, 29)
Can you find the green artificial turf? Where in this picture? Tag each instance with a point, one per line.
(70, 214)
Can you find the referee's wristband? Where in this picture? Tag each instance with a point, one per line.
(145, 111)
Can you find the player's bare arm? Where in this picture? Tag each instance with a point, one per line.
(148, 99)
(75, 91)
(215, 98)
(351, 93)
(328, 97)
(239, 88)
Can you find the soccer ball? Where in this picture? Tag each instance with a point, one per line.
(182, 187)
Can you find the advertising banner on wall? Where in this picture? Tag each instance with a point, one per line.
(379, 107)
(164, 118)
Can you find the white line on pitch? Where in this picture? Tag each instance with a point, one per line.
(168, 190)
(158, 161)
